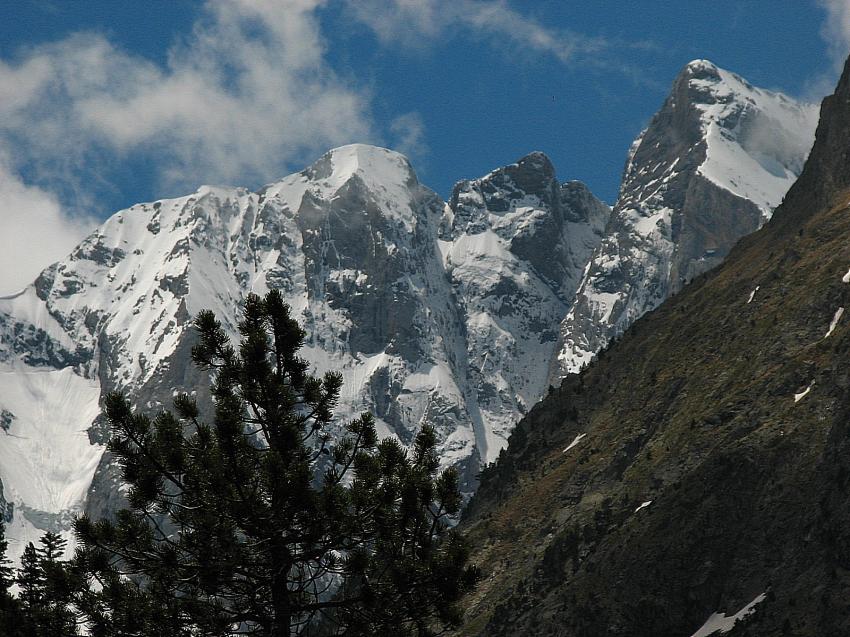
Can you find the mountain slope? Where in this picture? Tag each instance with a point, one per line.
(433, 311)
(375, 273)
(698, 470)
(709, 169)
(515, 243)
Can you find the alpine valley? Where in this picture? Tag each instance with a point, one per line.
(693, 479)
(464, 314)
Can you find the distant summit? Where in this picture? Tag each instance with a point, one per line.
(709, 169)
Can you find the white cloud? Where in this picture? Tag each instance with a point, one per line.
(242, 98)
(34, 232)
(247, 94)
(835, 32)
(418, 23)
(408, 133)
(836, 29)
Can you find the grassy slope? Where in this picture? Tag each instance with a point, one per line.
(694, 409)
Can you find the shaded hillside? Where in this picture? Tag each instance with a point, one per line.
(700, 468)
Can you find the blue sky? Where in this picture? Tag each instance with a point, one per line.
(104, 103)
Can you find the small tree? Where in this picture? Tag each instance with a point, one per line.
(7, 573)
(30, 579)
(56, 615)
(262, 523)
(46, 589)
(12, 622)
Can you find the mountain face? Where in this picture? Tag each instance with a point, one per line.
(451, 312)
(696, 473)
(708, 170)
(415, 301)
(515, 243)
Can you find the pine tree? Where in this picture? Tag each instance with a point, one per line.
(30, 580)
(47, 589)
(7, 573)
(12, 623)
(262, 522)
(52, 547)
(117, 606)
(56, 617)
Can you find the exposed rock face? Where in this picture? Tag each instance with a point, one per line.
(708, 170)
(6, 419)
(435, 312)
(697, 470)
(515, 243)
(378, 270)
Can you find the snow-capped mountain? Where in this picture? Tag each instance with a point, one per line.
(693, 479)
(515, 243)
(416, 302)
(709, 169)
(445, 312)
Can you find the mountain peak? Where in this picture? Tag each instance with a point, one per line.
(756, 140)
(537, 160)
(710, 168)
(361, 156)
(373, 164)
(700, 67)
(532, 174)
(709, 84)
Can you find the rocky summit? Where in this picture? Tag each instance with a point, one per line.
(693, 479)
(460, 313)
(515, 243)
(710, 168)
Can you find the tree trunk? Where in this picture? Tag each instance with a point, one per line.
(281, 602)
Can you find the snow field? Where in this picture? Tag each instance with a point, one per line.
(46, 459)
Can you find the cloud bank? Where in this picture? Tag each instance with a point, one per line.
(244, 96)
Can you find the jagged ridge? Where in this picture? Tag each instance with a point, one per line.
(433, 311)
(375, 266)
(709, 168)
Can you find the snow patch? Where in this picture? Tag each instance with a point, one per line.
(643, 505)
(753, 294)
(802, 394)
(720, 623)
(603, 304)
(575, 441)
(647, 225)
(46, 459)
(835, 319)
